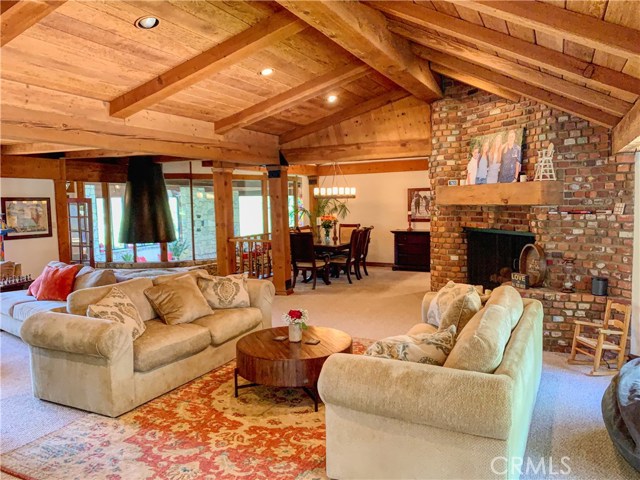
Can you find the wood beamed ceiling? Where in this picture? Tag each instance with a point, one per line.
(75, 88)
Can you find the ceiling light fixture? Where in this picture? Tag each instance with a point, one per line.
(335, 191)
(147, 23)
(266, 71)
(332, 98)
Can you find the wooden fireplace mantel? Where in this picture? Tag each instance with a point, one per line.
(525, 193)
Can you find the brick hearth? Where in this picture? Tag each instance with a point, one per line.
(602, 242)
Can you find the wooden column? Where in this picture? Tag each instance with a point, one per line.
(265, 203)
(313, 205)
(222, 189)
(62, 214)
(280, 242)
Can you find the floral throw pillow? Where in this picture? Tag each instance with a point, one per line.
(454, 304)
(118, 307)
(430, 348)
(225, 292)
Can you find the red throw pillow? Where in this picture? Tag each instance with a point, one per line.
(57, 283)
(34, 288)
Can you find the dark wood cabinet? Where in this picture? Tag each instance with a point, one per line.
(412, 250)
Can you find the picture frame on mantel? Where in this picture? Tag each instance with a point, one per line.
(419, 203)
(28, 217)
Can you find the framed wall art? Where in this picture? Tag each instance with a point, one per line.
(28, 217)
(419, 201)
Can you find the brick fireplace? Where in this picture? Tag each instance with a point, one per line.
(592, 180)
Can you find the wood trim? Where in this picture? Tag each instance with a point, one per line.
(108, 232)
(577, 27)
(514, 70)
(292, 97)
(223, 192)
(293, 169)
(265, 203)
(79, 189)
(363, 32)
(505, 44)
(99, 153)
(36, 148)
(476, 82)
(527, 193)
(549, 98)
(96, 171)
(378, 167)
(16, 17)
(342, 115)
(164, 252)
(357, 152)
(231, 51)
(280, 243)
(626, 134)
(62, 214)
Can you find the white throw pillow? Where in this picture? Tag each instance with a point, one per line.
(225, 292)
(118, 307)
(430, 348)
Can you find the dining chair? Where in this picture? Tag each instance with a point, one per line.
(365, 249)
(344, 231)
(304, 258)
(611, 327)
(347, 261)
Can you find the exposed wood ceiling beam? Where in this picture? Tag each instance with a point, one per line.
(580, 28)
(626, 135)
(529, 75)
(100, 153)
(342, 115)
(16, 166)
(377, 167)
(34, 126)
(37, 148)
(477, 82)
(271, 30)
(502, 43)
(571, 106)
(359, 152)
(362, 31)
(292, 97)
(16, 17)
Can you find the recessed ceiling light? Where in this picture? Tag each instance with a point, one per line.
(332, 98)
(147, 23)
(266, 71)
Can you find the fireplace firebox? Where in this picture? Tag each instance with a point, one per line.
(492, 255)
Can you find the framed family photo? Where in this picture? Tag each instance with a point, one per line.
(495, 158)
(419, 202)
(27, 217)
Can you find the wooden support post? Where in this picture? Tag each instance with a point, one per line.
(265, 203)
(223, 191)
(280, 242)
(313, 204)
(62, 215)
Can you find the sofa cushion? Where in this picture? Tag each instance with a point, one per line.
(117, 307)
(454, 304)
(480, 346)
(167, 278)
(162, 344)
(429, 348)
(87, 278)
(78, 302)
(178, 301)
(24, 310)
(225, 292)
(8, 300)
(419, 328)
(230, 323)
(509, 298)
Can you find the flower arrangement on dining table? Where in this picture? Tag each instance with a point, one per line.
(327, 223)
(296, 317)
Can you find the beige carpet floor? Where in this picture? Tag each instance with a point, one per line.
(567, 421)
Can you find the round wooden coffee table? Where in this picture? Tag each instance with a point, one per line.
(265, 361)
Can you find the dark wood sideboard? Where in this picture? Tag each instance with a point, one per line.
(412, 250)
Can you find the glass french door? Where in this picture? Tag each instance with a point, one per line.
(81, 230)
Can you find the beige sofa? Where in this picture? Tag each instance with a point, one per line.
(391, 419)
(94, 365)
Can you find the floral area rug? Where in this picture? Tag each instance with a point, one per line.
(197, 431)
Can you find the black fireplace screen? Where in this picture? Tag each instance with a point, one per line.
(492, 255)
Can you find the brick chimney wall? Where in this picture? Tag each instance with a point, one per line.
(592, 177)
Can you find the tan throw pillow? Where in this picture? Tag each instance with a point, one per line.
(430, 348)
(178, 301)
(93, 278)
(461, 310)
(445, 297)
(117, 307)
(480, 346)
(225, 292)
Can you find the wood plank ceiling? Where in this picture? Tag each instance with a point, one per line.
(78, 75)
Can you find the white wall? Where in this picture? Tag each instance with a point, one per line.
(32, 253)
(635, 322)
(381, 201)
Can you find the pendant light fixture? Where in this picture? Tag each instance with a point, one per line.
(339, 187)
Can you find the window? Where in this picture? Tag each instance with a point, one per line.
(121, 252)
(179, 192)
(204, 219)
(294, 200)
(93, 191)
(248, 215)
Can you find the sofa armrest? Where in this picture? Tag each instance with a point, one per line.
(261, 294)
(458, 400)
(75, 334)
(426, 301)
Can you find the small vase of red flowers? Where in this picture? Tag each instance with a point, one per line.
(297, 321)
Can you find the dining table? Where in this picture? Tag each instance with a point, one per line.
(332, 248)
